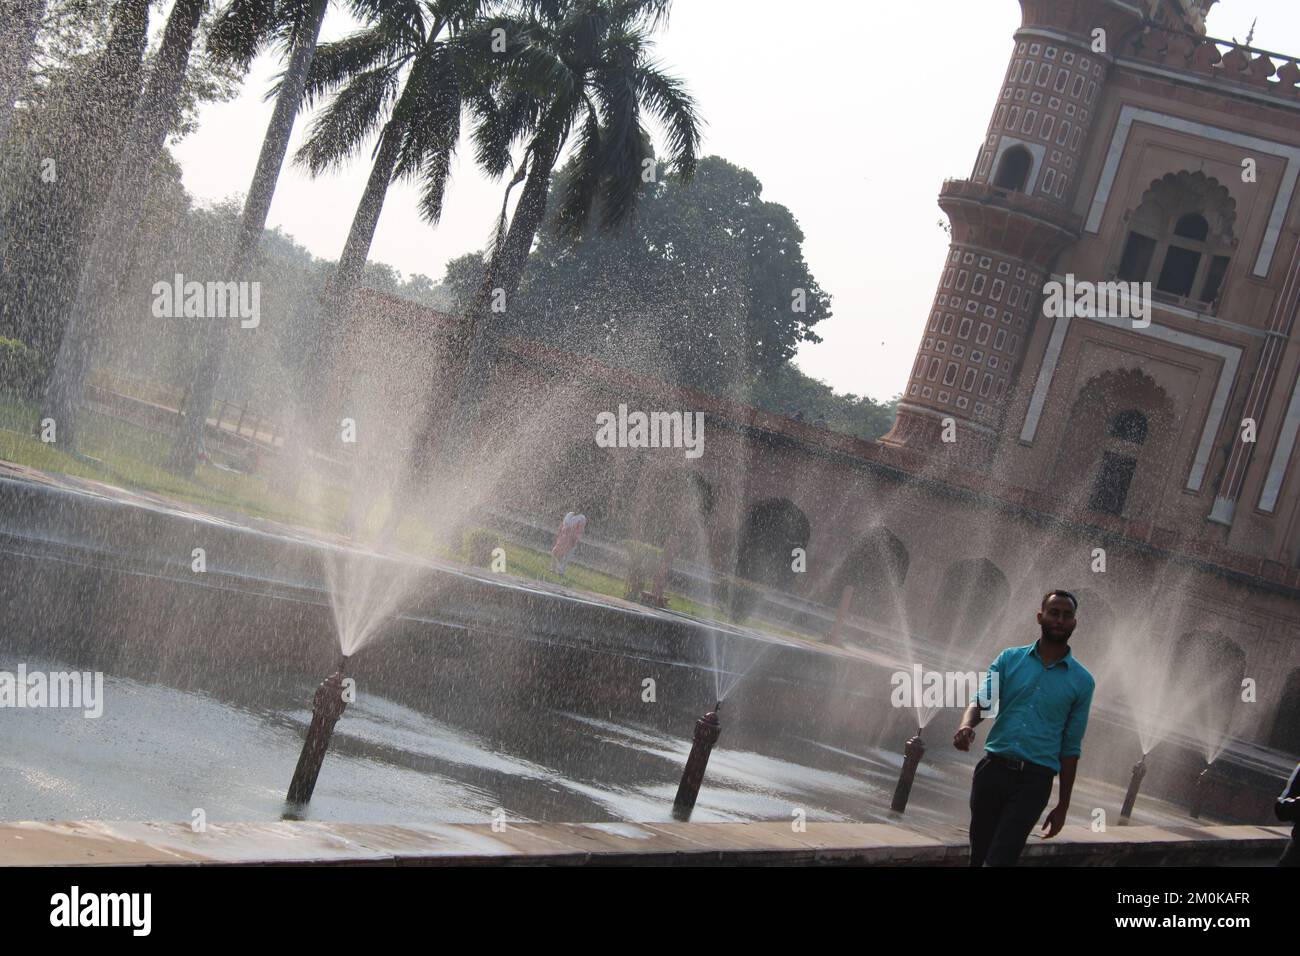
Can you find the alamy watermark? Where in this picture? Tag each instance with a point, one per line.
(921, 688)
(651, 430)
(179, 299)
(75, 908)
(1098, 300)
(73, 690)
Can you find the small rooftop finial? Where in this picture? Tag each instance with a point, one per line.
(1251, 35)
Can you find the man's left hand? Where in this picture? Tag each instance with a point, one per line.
(1055, 820)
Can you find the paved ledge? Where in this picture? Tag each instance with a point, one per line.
(88, 843)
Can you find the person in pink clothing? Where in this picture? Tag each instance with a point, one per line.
(566, 541)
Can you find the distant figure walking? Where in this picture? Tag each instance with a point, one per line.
(566, 541)
(1287, 809)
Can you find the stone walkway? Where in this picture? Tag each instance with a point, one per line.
(88, 843)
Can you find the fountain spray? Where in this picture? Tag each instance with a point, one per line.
(913, 751)
(1134, 784)
(1200, 790)
(327, 706)
(707, 730)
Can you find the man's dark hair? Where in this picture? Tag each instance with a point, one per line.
(1059, 592)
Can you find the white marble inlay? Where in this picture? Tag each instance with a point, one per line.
(1281, 453)
(1129, 114)
(1229, 354)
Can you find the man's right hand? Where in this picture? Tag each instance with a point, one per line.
(963, 737)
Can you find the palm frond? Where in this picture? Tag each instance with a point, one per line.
(240, 30)
(624, 147)
(427, 120)
(581, 181)
(337, 63)
(499, 124)
(666, 99)
(351, 118)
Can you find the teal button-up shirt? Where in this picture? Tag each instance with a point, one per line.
(1042, 711)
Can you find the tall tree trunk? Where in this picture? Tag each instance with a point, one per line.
(108, 255)
(342, 284)
(477, 345)
(472, 350)
(19, 19)
(251, 226)
(97, 109)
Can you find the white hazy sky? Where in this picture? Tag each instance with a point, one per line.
(850, 112)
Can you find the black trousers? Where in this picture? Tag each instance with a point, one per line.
(1291, 855)
(1005, 805)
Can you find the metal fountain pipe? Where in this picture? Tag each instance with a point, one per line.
(707, 730)
(912, 754)
(1200, 790)
(327, 706)
(1134, 784)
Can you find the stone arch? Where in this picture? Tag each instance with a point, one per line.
(971, 597)
(1115, 444)
(772, 529)
(876, 569)
(1285, 735)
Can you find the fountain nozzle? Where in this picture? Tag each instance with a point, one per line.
(1134, 784)
(327, 706)
(1200, 792)
(707, 731)
(913, 751)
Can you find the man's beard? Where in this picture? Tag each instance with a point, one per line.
(1052, 638)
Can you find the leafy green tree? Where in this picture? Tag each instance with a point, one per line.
(789, 391)
(106, 256)
(708, 288)
(21, 19)
(71, 127)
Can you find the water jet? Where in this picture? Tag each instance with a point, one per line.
(707, 730)
(1134, 784)
(327, 706)
(913, 751)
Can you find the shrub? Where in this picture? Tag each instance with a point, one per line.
(478, 545)
(642, 562)
(21, 369)
(739, 597)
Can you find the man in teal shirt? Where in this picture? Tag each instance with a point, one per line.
(1041, 696)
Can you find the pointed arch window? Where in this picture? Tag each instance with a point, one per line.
(1180, 239)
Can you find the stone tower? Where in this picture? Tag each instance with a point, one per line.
(1014, 215)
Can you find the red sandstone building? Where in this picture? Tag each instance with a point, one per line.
(1124, 146)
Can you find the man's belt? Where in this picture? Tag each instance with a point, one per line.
(1015, 763)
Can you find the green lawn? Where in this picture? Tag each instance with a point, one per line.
(132, 457)
(129, 456)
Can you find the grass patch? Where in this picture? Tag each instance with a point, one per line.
(133, 457)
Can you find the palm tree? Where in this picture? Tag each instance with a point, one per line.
(584, 66)
(117, 219)
(21, 19)
(407, 76)
(241, 31)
